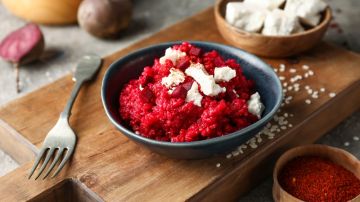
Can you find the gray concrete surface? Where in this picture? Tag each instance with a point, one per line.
(66, 44)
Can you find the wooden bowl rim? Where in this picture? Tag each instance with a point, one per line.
(295, 150)
(322, 25)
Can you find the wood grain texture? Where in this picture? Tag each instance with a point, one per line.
(119, 170)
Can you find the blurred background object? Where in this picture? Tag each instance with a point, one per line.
(54, 12)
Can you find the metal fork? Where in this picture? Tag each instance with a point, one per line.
(61, 137)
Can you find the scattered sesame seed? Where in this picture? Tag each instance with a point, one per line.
(322, 89)
(310, 91)
(281, 78)
(228, 156)
(306, 75)
(290, 125)
(305, 67)
(292, 70)
(285, 84)
(356, 138)
(218, 165)
(283, 127)
(332, 94)
(311, 73)
(276, 70)
(307, 87)
(346, 144)
(307, 101)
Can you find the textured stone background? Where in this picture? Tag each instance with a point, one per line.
(64, 45)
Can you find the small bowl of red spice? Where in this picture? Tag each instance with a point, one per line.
(317, 173)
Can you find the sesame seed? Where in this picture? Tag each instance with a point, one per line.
(281, 78)
(307, 87)
(218, 165)
(305, 67)
(307, 101)
(290, 125)
(310, 91)
(283, 127)
(356, 138)
(285, 84)
(332, 94)
(322, 89)
(276, 70)
(286, 114)
(346, 144)
(228, 156)
(292, 70)
(306, 75)
(311, 73)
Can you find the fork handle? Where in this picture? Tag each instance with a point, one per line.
(67, 111)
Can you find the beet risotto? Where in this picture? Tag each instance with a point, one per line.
(189, 95)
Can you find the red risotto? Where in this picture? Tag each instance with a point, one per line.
(189, 95)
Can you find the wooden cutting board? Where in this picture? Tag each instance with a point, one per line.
(108, 166)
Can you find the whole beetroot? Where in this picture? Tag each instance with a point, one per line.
(104, 18)
(21, 46)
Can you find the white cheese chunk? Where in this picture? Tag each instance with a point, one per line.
(308, 10)
(267, 4)
(175, 77)
(280, 23)
(206, 81)
(247, 17)
(193, 95)
(224, 74)
(255, 106)
(173, 55)
(141, 88)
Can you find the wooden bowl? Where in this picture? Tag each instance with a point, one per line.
(50, 12)
(339, 156)
(270, 46)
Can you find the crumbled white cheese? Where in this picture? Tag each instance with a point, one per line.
(175, 77)
(255, 106)
(268, 4)
(280, 23)
(247, 17)
(308, 10)
(193, 95)
(206, 81)
(224, 73)
(235, 93)
(141, 88)
(173, 55)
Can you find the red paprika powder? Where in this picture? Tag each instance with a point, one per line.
(311, 178)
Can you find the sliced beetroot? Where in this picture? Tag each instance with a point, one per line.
(183, 63)
(147, 95)
(187, 85)
(179, 92)
(22, 46)
(22, 42)
(195, 51)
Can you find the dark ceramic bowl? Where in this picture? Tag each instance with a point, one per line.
(131, 66)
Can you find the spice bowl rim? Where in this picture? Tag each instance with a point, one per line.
(280, 194)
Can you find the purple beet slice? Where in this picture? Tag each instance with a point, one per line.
(21, 46)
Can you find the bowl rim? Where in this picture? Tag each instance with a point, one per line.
(323, 23)
(248, 56)
(294, 150)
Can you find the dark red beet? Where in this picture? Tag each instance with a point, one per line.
(179, 92)
(19, 44)
(195, 51)
(22, 46)
(187, 85)
(183, 63)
